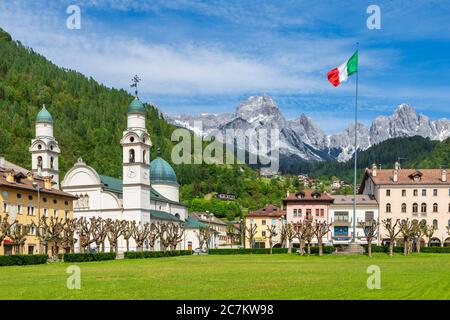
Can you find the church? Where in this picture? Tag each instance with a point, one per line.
(148, 191)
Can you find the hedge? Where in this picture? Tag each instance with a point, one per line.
(314, 250)
(23, 259)
(398, 249)
(155, 254)
(435, 249)
(385, 249)
(89, 256)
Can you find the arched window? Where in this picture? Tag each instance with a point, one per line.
(423, 207)
(132, 156)
(435, 207)
(448, 223)
(435, 224)
(388, 207)
(403, 207)
(52, 160)
(415, 208)
(143, 156)
(39, 162)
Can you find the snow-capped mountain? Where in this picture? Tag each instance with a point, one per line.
(307, 141)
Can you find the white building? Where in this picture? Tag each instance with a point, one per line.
(149, 191)
(341, 215)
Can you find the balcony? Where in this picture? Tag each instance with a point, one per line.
(341, 223)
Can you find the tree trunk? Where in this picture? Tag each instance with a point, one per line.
(128, 244)
(391, 248)
(319, 240)
(302, 247)
(369, 248)
(309, 248)
(290, 247)
(270, 244)
(405, 248)
(418, 245)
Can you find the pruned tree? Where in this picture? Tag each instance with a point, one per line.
(68, 237)
(141, 231)
(308, 235)
(419, 229)
(85, 231)
(320, 229)
(251, 232)
(153, 236)
(54, 232)
(161, 231)
(5, 227)
(204, 236)
(201, 237)
(114, 228)
(18, 235)
(100, 232)
(370, 229)
(288, 234)
(428, 232)
(272, 232)
(407, 231)
(391, 228)
(127, 232)
(299, 228)
(175, 233)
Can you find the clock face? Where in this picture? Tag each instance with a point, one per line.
(131, 173)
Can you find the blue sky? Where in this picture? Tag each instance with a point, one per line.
(207, 56)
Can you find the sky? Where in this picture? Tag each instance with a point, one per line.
(208, 56)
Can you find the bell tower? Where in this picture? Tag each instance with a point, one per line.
(44, 148)
(136, 145)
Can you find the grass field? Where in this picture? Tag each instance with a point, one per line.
(281, 276)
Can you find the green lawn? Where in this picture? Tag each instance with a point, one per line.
(281, 276)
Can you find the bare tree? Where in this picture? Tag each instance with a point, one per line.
(152, 236)
(204, 236)
(200, 236)
(54, 232)
(162, 234)
(428, 232)
(85, 230)
(299, 233)
(289, 233)
(114, 228)
(5, 227)
(392, 232)
(308, 234)
(370, 229)
(272, 232)
(320, 229)
(407, 231)
(251, 233)
(140, 234)
(127, 232)
(175, 235)
(18, 235)
(68, 237)
(418, 232)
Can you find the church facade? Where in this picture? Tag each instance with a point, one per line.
(148, 191)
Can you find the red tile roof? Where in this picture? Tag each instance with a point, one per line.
(308, 195)
(268, 211)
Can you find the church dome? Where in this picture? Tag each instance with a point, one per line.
(162, 172)
(136, 106)
(44, 116)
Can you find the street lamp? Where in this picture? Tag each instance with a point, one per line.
(38, 189)
(242, 233)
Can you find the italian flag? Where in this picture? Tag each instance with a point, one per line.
(341, 73)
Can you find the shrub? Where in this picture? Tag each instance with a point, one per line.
(23, 259)
(435, 249)
(155, 254)
(89, 256)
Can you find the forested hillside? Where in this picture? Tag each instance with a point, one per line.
(89, 120)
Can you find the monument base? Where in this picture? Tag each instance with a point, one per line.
(351, 248)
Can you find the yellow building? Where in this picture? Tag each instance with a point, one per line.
(261, 220)
(24, 197)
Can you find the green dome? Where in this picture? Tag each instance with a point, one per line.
(136, 106)
(161, 171)
(44, 116)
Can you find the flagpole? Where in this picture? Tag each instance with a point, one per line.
(356, 150)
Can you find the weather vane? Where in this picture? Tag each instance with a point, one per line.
(134, 84)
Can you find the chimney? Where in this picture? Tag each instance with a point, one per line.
(10, 176)
(395, 177)
(374, 170)
(48, 182)
(444, 175)
(2, 161)
(30, 176)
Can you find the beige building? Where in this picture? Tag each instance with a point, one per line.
(263, 219)
(417, 194)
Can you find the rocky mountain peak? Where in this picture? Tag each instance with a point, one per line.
(260, 109)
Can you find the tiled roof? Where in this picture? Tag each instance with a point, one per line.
(193, 223)
(201, 216)
(360, 199)
(308, 195)
(268, 211)
(406, 176)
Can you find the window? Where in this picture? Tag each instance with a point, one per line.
(424, 192)
(435, 224)
(263, 233)
(403, 193)
(143, 156)
(274, 222)
(30, 197)
(55, 213)
(299, 212)
(388, 207)
(295, 212)
(317, 212)
(32, 230)
(369, 215)
(341, 216)
(435, 207)
(435, 192)
(264, 222)
(423, 208)
(19, 195)
(45, 212)
(415, 192)
(19, 209)
(308, 214)
(5, 207)
(415, 208)
(131, 156)
(44, 199)
(322, 212)
(30, 211)
(403, 207)
(388, 192)
(39, 162)
(52, 162)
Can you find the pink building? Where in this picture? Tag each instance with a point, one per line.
(307, 205)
